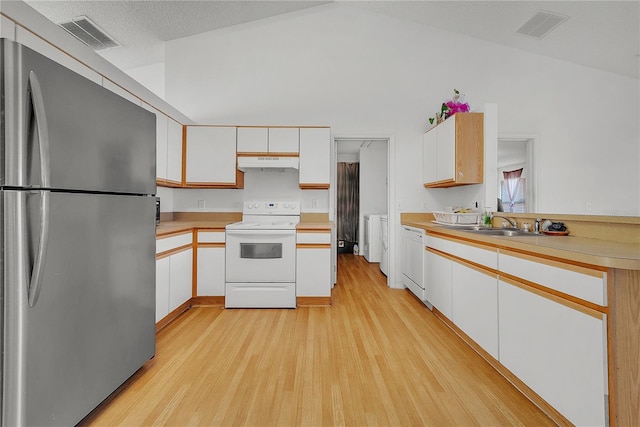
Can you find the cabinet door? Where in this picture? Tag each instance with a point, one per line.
(284, 140)
(180, 283)
(162, 288)
(211, 155)
(557, 350)
(315, 158)
(313, 272)
(429, 160)
(437, 277)
(253, 140)
(174, 152)
(210, 273)
(446, 150)
(162, 124)
(475, 304)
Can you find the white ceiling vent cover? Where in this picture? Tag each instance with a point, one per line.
(89, 33)
(541, 24)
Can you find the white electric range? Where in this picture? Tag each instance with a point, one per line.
(260, 269)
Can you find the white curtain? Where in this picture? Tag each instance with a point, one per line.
(512, 181)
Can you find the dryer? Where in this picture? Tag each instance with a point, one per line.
(372, 250)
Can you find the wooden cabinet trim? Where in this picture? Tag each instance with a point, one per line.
(475, 244)
(600, 273)
(266, 154)
(173, 251)
(583, 306)
(211, 244)
(479, 267)
(174, 234)
(313, 245)
(316, 186)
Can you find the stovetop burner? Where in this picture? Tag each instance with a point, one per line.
(268, 216)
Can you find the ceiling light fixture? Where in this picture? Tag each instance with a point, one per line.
(541, 24)
(88, 32)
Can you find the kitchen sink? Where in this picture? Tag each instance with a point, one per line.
(508, 232)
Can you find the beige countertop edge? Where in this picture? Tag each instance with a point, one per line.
(599, 253)
(172, 227)
(314, 225)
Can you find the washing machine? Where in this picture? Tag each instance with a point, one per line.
(372, 240)
(384, 243)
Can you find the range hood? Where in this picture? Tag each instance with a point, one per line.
(267, 162)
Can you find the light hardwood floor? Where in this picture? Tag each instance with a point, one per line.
(376, 357)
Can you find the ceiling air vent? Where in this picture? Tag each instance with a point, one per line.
(541, 24)
(89, 33)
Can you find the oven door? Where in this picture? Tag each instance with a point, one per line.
(259, 256)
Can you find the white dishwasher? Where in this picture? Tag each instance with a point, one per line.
(412, 262)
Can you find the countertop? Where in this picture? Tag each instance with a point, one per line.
(172, 227)
(595, 252)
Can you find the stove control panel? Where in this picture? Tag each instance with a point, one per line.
(271, 208)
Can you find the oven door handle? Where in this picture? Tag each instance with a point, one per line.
(261, 232)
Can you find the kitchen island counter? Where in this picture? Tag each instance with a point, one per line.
(586, 250)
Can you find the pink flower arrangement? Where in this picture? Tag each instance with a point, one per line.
(451, 107)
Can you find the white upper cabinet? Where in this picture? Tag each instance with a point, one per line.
(174, 153)
(284, 140)
(453, 152)
(253, 140)
(315, 158)
(261, 140)
(161, 146)
(211, 157)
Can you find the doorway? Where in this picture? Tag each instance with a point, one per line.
(371, 155)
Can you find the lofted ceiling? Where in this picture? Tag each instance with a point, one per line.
(599, 34)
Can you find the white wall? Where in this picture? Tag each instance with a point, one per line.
(275, 184)
(151, 76)
(362, 72)
(365, 73)
(373, 182)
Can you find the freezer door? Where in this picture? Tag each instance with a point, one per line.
(78, 134)
(91, 325)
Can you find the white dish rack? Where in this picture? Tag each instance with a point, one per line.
(458, 218)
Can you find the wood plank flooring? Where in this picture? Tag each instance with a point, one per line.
(376, 357)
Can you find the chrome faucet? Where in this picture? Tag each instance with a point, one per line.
(513, 223)
(536, 228)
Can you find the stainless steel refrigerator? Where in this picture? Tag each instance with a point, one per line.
(77, 209)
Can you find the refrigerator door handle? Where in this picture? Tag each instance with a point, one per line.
(35, 284)
(43, 129)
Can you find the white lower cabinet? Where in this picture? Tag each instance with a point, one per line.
(437, 276)
(162, 288)
(557, 350)
(475, 304)
(211, 263)
(174, 266)
(180, 278)
(313, 264)
(536, 317)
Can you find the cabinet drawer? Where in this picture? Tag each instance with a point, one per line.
(318, 238)
(475, 254)
(168, 243)
(580, 282)
(211, 237)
